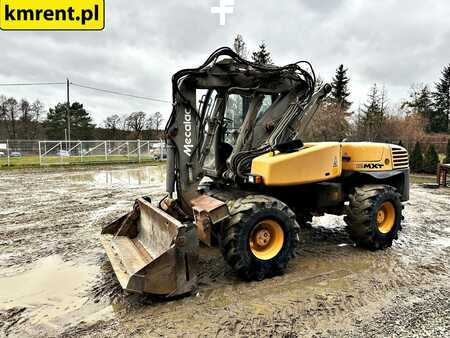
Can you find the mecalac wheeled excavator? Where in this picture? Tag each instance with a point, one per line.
(240, 178)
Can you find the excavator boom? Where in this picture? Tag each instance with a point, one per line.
(154, 249)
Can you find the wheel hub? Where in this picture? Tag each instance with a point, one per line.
(263, 237)
(266, 239)
(380, 216)
(385, 217)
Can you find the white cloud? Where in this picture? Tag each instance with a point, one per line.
(145, 42)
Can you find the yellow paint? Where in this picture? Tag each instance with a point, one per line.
(385, 217)
(313, 163)
(366, 156)
(52, 14)
(323, 161)
(266, 239)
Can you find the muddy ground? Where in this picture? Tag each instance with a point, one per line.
(56, 281)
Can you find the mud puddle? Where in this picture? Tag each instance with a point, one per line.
(51, 295)
(147, 176)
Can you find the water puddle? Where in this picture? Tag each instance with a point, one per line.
(53, 294)
(136, 177)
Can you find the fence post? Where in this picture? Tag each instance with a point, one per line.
(106, 152)
(139, 150)
(7, 152)
(128, 150)
(60, 152)
(40, 158)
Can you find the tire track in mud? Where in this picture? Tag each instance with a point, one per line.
(331, 288)
(55, 214)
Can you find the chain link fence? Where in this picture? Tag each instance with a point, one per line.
(44, 153)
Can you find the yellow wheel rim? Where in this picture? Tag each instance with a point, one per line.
(385, 217)
(266, 239)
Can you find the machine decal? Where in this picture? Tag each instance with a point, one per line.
(370, 166)
(187, 123)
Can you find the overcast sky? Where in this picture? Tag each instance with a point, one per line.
(395, 43)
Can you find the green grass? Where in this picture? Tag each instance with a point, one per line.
(423, 178)
(33, 161)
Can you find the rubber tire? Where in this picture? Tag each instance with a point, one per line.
(304, 218)
(246, 213)
(361, 216)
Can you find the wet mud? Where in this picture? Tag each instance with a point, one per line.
(55, 279)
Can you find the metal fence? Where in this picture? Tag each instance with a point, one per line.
(44, 153)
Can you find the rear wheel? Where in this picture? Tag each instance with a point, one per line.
(260, 237)
(374, 216)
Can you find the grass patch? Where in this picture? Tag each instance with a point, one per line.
(422, 178)
(33, 161)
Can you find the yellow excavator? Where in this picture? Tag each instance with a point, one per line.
(240, 178)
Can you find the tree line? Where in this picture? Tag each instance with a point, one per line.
(22, 119)
(424, 112)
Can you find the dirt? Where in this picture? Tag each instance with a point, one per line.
(55, 279)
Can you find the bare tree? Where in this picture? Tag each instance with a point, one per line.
(150, 123)
(3, 110)
(25, 110)
(124, 121)
(136, 122)
(3, 117)
(112, 123)
(36, 110)
(240, 46)
(157, 120)
(10, 110)
(330, 123)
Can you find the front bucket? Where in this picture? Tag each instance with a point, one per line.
(152, 252)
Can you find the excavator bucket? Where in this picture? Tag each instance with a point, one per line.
(152, 252)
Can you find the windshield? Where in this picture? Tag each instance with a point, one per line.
(235, 112)
(234, 116)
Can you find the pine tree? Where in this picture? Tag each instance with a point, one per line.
(262, 56)
(447, 156)
(421, 103)
(416, 160)
(81, 126)
(372, 117)
(383, 99)
(340, 91)
(240, 47)
(441, 95)
(431, 160)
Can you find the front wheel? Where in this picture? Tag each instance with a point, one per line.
(260, 237)
(374, 216)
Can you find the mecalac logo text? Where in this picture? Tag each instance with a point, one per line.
(187, 123)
